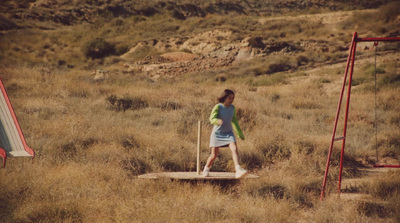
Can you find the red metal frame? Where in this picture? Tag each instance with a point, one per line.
(3, 155)
(21, 135)
(350, 60)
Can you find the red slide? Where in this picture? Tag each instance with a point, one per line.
(12, 140)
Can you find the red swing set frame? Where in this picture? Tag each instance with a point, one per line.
(350, 64)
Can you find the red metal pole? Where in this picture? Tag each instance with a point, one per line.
(337, 115)
(346, 116)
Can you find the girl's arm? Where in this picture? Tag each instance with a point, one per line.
(236, 126)
(214, 115)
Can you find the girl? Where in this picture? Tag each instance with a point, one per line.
(222, 117)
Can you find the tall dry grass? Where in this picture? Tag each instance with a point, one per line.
(89, 154)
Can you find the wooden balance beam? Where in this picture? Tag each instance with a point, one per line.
(196, 176)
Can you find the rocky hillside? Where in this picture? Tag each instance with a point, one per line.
(170, 38)
(70, 12)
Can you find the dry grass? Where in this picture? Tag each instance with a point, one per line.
(89, 154)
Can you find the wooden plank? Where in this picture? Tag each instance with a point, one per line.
(194, 176)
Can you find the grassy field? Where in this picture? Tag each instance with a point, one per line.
(90, 149)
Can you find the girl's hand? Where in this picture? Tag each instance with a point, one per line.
(220, 122)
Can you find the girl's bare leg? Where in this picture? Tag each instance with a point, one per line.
(240, 172)
(235, 155)
(213, 156)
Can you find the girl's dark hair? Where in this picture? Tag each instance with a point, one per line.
(224, 95)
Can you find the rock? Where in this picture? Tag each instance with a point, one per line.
(244, 53)
(179, 56)
(100, 74)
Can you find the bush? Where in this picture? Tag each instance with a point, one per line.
(134, 166)
(170, 105)
(386, 187)
(278, 67)
(125, 103)
(302, 60)
(220, 78)
(178, 15)
(148, 11)
(275, 151)
(98, 48)
(282, 64)
(6, 24)
(371, 209)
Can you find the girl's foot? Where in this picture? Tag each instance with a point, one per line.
(206, 172)
(240, 172)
